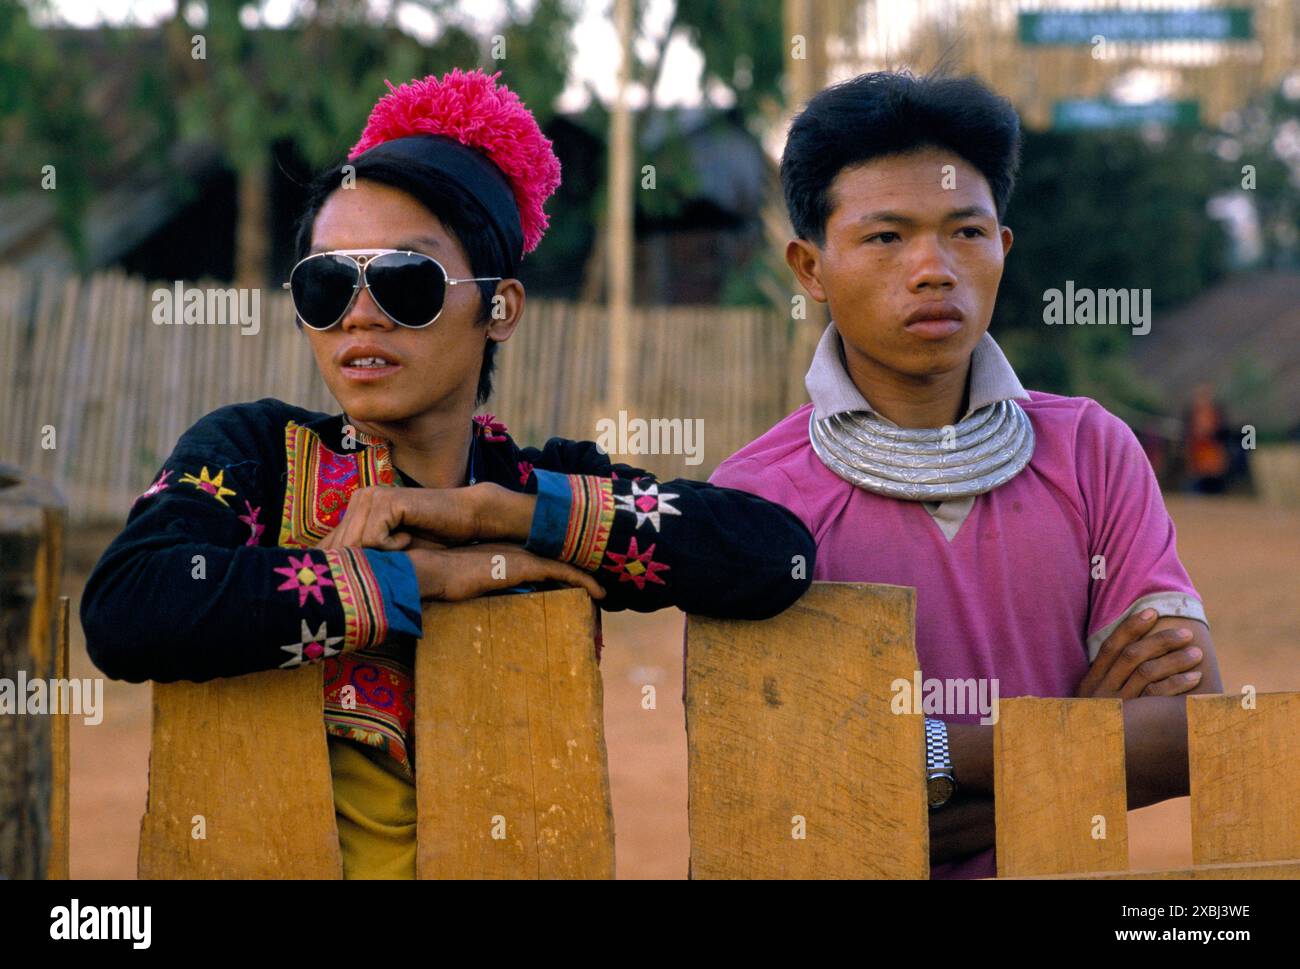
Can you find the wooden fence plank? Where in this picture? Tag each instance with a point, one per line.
(31, 530)
(511, 770)
(791, 718)
(1250, 871)
(248, 754)
(1059, 783)
(1245, 778)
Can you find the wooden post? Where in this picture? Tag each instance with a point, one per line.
(621, 218)
(804, 77)
(31, 542)
(1244, 764)
(239, 780)
(1060, 794)
(798, 767)
(60, 761)
(512, 778)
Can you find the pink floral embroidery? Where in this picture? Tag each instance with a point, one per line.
(159, 485)
(253, 524)
(493, 429)
(306, 576)
(525, 469)
(637, 566)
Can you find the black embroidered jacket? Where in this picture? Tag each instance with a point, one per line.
(216, 572)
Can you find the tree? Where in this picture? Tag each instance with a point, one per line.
(43, 119)
(228, 80)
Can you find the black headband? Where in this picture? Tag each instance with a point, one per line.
(469, 168)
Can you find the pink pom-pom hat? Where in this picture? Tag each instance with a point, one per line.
(469, 107)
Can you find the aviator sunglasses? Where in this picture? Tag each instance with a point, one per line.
(409, 287)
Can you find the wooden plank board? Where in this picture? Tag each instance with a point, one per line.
(512, 778)
(248, 755)
(1245, 785)
(1058, 778)
(31, 530)
(1250, 871)
(790, 732)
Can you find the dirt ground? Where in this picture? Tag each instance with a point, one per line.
(1243, 557)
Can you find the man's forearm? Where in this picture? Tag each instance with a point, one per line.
(961, 827)
(970, 745)
(1155, 751)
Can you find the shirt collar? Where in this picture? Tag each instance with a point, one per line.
(833, 391)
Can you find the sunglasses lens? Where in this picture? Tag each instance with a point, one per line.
(409, 287)
(322, 288)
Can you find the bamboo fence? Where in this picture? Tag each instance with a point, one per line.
(94, 394)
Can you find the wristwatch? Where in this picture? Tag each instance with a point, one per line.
(940, 782)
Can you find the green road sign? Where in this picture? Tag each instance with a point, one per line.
(1081, 26)
(1073, 115)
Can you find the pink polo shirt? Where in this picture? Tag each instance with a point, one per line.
(1004, 585)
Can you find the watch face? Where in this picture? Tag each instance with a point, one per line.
(939, 789)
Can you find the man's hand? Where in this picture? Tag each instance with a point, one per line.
(454, 574)
(389, 518)
(1136, 660)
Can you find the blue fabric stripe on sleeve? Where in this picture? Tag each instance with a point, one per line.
(551, 516)
(400, 590)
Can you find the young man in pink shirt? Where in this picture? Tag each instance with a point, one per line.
(1030, 524)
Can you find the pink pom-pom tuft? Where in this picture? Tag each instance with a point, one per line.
(469, 107)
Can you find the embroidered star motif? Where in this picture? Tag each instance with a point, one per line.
(647, 505)
(637, 566)
(159, 485)
(306, 576)
(253, 524)
(312, 649)
(212, 486)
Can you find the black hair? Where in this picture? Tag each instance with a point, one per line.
(454, 207)
(888, 113)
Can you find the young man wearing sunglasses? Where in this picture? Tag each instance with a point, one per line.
(407, 290)
(1030, 524)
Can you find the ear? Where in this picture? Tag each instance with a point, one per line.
(505, 310)
(805, 260)
(1007, 237)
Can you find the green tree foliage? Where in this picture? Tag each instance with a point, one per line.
(1265, 135)
(538, 48)
(43, 119)
(1108, 210)
(312, 83)
(743, 47)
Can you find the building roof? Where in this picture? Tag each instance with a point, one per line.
(1243, 336)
